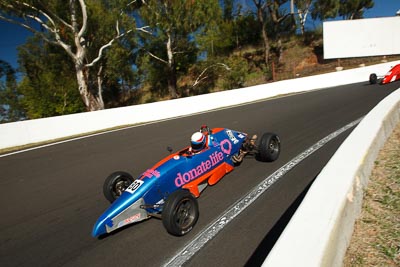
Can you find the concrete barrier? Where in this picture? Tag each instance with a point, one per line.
(320, 230)
(41, 130)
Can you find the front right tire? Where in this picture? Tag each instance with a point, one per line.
(115, 184)
(269, 147)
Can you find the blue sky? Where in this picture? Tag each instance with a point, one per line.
(13, 36)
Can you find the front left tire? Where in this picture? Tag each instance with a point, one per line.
(180, 212)
(373, 78)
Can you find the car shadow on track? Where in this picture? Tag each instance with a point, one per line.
(266, 245)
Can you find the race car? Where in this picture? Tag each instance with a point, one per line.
(391, 76)
(169, 190)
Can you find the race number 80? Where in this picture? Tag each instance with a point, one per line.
(134, 186)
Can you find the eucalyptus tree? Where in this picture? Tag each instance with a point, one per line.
(303, 10)
(84, 29)
(325, 9)
(236, 28)
(10, 108)
(282, 21)
(48, 83)
(174, 25)
(348, 9)
(354, 9)
(261, 8)
(218, 37)
(270, 11)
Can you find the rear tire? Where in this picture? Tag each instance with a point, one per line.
(373, 78)
(269, 147)
(180, 212)
(115, 184)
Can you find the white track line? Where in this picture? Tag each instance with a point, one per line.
(215, 227)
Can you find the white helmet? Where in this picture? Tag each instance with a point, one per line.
(198, 141)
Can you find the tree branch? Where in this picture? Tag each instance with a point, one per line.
(156, 57)
(199, 79)
(53, 30)
(36, 17)
(100, 54)
(84, 18)
(144, 29)
(58, 18)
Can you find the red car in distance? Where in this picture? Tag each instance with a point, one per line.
(391, 76)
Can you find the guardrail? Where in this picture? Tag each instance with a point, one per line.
(319, 232)
(41, 130)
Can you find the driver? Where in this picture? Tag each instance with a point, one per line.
(198, 142)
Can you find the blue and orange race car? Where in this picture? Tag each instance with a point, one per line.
(169, 189)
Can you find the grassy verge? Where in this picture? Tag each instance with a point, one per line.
(376, 237)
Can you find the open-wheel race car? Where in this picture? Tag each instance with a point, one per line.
(391, 76)
(169, 189)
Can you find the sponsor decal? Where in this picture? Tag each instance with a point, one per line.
(241, 136)
(134, 186)
(226, 146)
(150, 173)
(232, 137)
(131, 219)
(214, 159)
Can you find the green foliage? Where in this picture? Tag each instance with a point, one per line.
(53, 22)
(41, 103)
(218, 40)
(153, 72)
(348, 9)
(178, 17)
(218, 73)
(284, 26)
(354, 9)
(176, 23)
(118, 76)
(49, 85)
(325, 9)
(302, 4)
(120, 79)
(205, 75)
(228, 7)
(236, 77)
(10, 108)
(225, 36)
(247, 30)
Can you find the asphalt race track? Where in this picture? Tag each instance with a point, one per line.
(51, 197)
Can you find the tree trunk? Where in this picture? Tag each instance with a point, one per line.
(171, 67)
(91, 101)
(172, 83)
(264, 34)
(89, 97)
(100, 85)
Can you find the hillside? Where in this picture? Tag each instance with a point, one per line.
(300, 57)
